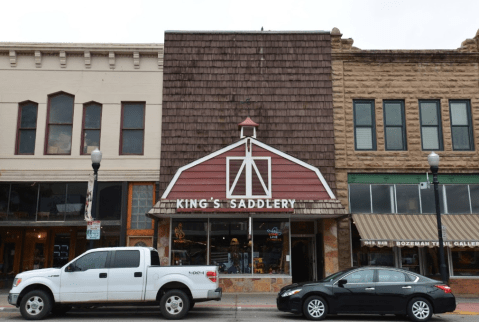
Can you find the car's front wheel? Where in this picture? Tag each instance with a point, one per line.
(315, 308)
(35, 305)
(419, 309)
(174, 305)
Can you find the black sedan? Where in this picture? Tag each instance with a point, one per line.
(368, 290)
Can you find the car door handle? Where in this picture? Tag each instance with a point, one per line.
(369, 288)
(103, 275)
(138, 274)
(406, 287)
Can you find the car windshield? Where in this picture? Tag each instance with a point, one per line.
(334, 276)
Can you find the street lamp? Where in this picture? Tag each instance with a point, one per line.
(95, 163)
(433, 160)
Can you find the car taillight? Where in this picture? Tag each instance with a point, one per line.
(212, 276)
(445, 288)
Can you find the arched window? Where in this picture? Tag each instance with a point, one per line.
(59, 124)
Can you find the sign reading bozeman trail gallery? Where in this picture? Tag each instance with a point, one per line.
(234, 203)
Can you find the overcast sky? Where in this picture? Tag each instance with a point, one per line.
(373, 24)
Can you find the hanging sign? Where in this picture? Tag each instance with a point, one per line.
(93, 229)
(89, 199)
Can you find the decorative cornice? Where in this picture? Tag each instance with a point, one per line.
(87, 56)
(38, 59)
(111, 59)
(136, 59)
(13, 58)
(63, 59)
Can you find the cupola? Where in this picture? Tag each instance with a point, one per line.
(248, 128)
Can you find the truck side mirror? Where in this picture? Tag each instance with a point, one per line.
(342, 282)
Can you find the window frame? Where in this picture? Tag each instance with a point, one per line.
(248, 180)
(372, 126)
(121, 127)
(402, 126)
(47, 127)
(85, 105)
(439, 124)
(19, 128)
(469, 119)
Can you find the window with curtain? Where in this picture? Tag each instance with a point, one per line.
(27, 128)
(431, 132)
(394, 125)
(132, 128)
(364, 125)
(461, 128)
(91, 127)
(59, 124)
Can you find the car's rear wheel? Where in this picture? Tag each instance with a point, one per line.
(174, 305)
(419, 309)
(35, 305)
(315, 308)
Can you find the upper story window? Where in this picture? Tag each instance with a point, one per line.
(461, 125)
(59, 124)
(364, 125)
(431, 129)
(394, 125)
(26, 128)
(248, 177)
(132, 128)
(91, 127)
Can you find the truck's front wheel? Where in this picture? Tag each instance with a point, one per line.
(35, 305)
(174, 305)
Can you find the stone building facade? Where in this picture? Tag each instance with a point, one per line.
(409, 82)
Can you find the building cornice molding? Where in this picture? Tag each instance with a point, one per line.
(81, 47)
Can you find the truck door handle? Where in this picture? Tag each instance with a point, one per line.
(138, 274)
(369, 288)
(406, 287)
(103, 275)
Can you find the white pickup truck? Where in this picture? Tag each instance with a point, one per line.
(114, 276)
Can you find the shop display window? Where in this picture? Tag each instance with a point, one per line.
(383, 199)
(189, 242)
(52, 205)
(410, 259)
(230, 247)
(374, 256)
(431, 259)
(23, 201)
(465, 261)
(407, 197)
(474, 190)
(4, 195)
(360, 198)
(270, 246)
(109, 201)
(76, 197)
(458, 199)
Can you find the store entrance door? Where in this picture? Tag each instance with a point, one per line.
(303, 256)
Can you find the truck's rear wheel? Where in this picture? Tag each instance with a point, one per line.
(174, 305)
(35, 305)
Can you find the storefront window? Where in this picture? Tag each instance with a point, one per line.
(431, 259)
(52, 205)
(428, 200)
(230, 247)
(458, 199)
(374, 256)
(410, 259)
(109, 201)
(271, 246)
(383, 199)
(189, 245)
(141, 203)
(474, 189)
(359, 198)
(465, 261)
(76, 197)
(23, 201)
(4, 193)
(407, 197)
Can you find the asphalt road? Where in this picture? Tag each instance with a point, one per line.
(207, 314)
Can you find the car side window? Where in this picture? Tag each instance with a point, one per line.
(360, 277)
(126, 259)
(94, 260)
(387, 276)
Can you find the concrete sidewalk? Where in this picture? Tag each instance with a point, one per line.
(251, 301)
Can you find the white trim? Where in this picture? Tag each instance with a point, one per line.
(260, 178)
(301, 163)
(230, 190)
(192, 164)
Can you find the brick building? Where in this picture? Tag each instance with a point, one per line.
(391, 109)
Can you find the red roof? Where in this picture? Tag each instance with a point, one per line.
(248, 122)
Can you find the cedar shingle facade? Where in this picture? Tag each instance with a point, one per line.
(209, 76)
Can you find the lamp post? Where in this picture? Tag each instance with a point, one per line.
(95, 163)
(433, 160)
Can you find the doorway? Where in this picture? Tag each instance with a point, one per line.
(303, 259)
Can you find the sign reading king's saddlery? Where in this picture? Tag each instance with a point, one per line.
(236, 203)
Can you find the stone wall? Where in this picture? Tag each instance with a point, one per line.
(402, 75)
(244, 285)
